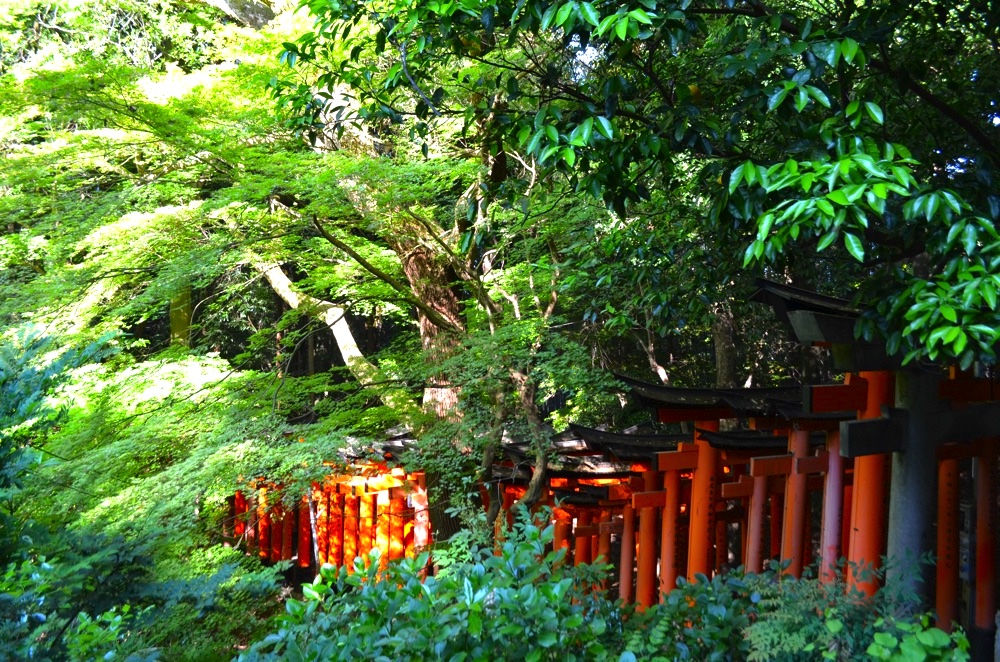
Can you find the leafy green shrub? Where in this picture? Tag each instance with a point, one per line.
(805, 619)
(523, 604)
(702, 620)
(916, 641)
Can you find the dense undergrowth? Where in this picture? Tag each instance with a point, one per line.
(525, 602)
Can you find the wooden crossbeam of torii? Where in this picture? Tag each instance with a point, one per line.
(918, 429)
(795, 467)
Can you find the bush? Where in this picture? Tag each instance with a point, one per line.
(523, 604)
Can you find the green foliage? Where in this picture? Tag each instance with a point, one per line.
(807, 112)
(916, 640)
(701, 620)
(807, 619)
(525, 603)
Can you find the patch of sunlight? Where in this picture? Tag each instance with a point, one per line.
(132, 225)
(175, 83)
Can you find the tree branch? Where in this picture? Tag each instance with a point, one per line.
(434, 316)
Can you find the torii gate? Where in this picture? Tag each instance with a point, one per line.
(906, 430)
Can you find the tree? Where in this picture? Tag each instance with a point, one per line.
(807, 126)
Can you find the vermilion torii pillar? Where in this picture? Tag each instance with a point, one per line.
(703, 496)
(869, 510)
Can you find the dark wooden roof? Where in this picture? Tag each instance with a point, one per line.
(740, 440)
(626, 447)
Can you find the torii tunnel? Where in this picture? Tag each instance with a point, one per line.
(894, 462)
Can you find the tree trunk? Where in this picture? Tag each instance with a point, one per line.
(724, 340)
(333, 316)
(430, 280)
(181, 312)
(250, 13)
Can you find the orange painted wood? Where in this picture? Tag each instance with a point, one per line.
(508, 503)
(680, 415)
(366, 525)
(961, 451)
(721, 540)
(252, 522)
(738, 489)
(704, 486)
(771, 465)
(777, 506)
(397, 544)
(277, 533)
(851, 396)
(642, 500)
(321, 504)
(869, 511)
(603, 554)
(793, 527)
(833, 494)
(946, 571)
(304, 548)
(263, 525)
(627, 561)
(581, 538)
(966, 390)
(422, 514)
(335, 551)
(240, 522)
(677, 460)
(670, 551)
(588, 530)
(382, 525)
(646, 584)
(755, 525)
(810, 424)
(813, 464)
(613, 527)
(288, 534)
(986, 603)
(351, 504)
(562, 531)
(846, 520)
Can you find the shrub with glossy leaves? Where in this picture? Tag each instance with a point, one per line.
(523, 604)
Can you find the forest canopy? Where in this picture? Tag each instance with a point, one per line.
(242, 239)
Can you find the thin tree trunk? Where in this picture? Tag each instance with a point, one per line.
(724, 339)
(181, 313)
(333, 316)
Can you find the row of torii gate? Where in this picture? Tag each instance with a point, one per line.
(869, 468)
(876, 461)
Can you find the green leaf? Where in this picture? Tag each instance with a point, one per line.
(735, 178)
(949, 314)
(590, 13)
(547, 17)
(564, 12)
(854, 246)
(569, 156)
(764, 226)
(970, 239)
(605, 127)
(641, 16)
(874, 112)
(819, 95)
(475, 624)
(849, 48)
(621, 28)
(826, 240)
(547, 639)
(839, 197)
(776, 98)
